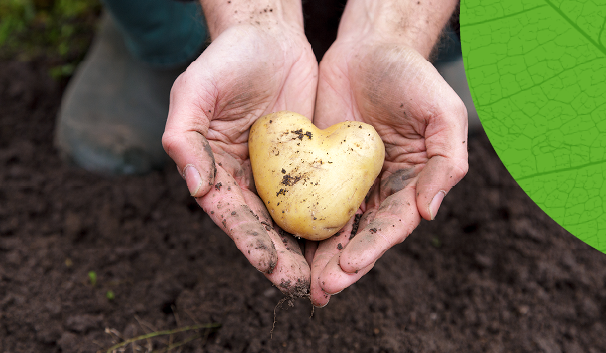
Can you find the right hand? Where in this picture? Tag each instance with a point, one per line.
(376, 72)
(246, 72)
(423, 124)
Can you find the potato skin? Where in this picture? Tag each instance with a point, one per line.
(313, 181)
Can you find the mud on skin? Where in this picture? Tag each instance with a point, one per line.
(260, 245)
(298, 289)
(289, 241)
(209, 153)
(397, 181)
(356, 224)
(252, 230)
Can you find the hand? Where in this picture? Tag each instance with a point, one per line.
(248, 71)
(423, 124)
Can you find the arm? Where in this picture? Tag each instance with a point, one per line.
(377, 72)
(221, 15)
(415, 23)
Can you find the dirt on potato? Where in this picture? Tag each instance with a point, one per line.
(492, 273)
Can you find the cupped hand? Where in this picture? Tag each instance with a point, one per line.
(246, 72)
(423, 125)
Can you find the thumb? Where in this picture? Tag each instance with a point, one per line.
(183, 139)
(436, 179)
(446, 143)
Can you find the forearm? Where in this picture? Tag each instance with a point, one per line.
(222, 14)
(416, 23)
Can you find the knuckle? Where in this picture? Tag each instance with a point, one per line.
(461, 168)
(459, 108)
(170, 143)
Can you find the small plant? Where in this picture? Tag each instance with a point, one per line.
(110, 295)
(57, 30)
(436, 242)
(92, 277)
(15, 15)
(208, 328)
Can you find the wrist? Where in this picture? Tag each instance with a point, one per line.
(221, 15)
(414, 23)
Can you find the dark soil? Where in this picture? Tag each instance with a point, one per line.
(493, 273)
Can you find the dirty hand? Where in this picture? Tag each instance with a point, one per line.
(386, 81)
(258, 64)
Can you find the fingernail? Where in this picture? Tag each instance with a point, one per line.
(434, 206)
(192, 178)
(326, 296)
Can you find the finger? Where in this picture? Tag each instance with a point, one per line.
(333, 279)
(326, 250)
(446, 144)
(366, 218)
(291, 273)
(226, 206)
(310, 251)
(436, 179)
(187, 123)
(395, 219)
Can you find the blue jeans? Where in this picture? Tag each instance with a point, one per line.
(161, 33)
(449, 47)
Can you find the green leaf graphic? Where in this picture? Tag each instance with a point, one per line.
(537, 74)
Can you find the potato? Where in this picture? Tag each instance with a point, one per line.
(313, 181)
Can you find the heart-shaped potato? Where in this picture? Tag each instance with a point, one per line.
(313, 181)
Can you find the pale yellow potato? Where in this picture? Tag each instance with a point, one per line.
(313, 181)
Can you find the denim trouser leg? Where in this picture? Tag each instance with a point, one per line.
(162, 33)
(449, 47)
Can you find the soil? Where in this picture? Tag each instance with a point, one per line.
(492, 273)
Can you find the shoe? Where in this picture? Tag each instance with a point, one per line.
(114, 109)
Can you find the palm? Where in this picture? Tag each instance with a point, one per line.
(253, 77)
(383, 104)
(244, 74)
(416, 113)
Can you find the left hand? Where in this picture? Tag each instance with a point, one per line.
(423, 124)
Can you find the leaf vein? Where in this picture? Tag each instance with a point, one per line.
(575, 26)
(502, 17)
(545, 80)
(563, 170)
(601, 31)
